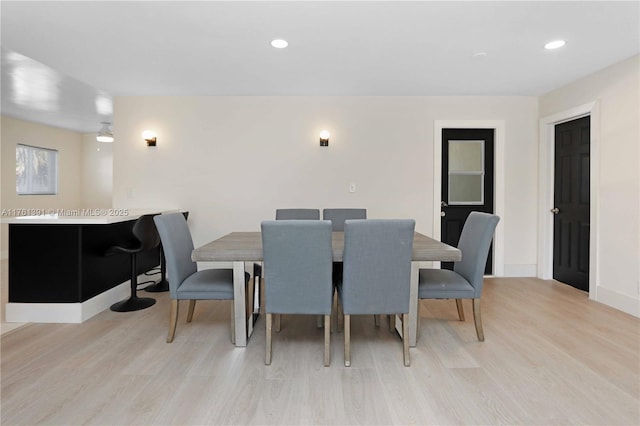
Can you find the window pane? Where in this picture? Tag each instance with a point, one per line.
(36, 170)
(21, 167)
(466, 156)
(466, 189)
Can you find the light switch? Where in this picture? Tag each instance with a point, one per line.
(352, 187)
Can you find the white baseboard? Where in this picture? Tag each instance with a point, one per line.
(102, 301)
(515, 270)
(618, 301)
(65, 312)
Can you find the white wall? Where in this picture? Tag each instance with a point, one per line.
(231, 161)
(617, 90)
(97, 173)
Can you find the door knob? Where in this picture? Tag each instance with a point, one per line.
(443, 214)
(555, 210)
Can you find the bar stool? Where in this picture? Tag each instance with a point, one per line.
(147, 238)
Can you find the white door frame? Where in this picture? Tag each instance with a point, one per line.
(498, 179)
(546, 190)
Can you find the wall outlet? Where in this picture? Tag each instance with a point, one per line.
(352, 187)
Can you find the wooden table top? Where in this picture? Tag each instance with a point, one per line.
(247, 247)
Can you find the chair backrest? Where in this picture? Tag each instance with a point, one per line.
(474, 244)
(338, 216)
(377, 266)
(297, 265)
(299, 214)
(145, 231)
(177, 245)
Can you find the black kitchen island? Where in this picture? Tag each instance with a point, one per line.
(58, 270)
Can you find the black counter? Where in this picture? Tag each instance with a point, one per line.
(65, 263)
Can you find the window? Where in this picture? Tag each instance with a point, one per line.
(36, 170)
(466, 172)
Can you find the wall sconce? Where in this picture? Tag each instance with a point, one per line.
(324, 138)
(104, 134)
(150, 137)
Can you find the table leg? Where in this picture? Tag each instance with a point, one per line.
(413, 304)
(239, 301)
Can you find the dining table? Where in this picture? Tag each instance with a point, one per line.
(245, 248)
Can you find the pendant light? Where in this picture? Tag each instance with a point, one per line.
(105, 135)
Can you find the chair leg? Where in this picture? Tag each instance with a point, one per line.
(173, 320)
(418, 320)
(249, 299)
(319, 321)
(278, 322)
(347, 340)
(460, 309)
(405, 340)
(392, 323)
(267, 359)
(340, 314)
(233, 323)
(334, 313)
(376, 321)
(477, 319)
(262, 295)
(327, 340)
(192, 307)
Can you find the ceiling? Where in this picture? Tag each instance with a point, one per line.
(336, 48)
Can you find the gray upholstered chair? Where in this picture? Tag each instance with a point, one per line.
(465, 281)
(289, 214)
(297, 214)
(286, 214)
(185, 281)
(297, 271)
(377, 273)
(338, 216)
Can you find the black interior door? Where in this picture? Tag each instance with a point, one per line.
(467, 181)
(571, 203)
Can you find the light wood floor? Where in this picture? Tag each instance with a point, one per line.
(551, 356)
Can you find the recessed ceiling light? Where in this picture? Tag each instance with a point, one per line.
(279, 43)
(554, 44)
